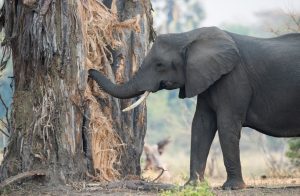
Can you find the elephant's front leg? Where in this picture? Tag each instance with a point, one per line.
(229, 134)
(203, 132)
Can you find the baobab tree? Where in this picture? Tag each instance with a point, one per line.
(63, 125)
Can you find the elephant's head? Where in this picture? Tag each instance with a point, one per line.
(191, 61)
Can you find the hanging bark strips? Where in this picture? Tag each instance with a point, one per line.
(61, 125)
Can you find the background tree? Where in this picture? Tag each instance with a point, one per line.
(178, 16)
(60, 125)
(294, 151)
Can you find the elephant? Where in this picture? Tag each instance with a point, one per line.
(240, 81)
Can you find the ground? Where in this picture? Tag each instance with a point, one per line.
(272, 186)
(263, 185)
(275, 191)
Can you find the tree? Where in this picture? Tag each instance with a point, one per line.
(62, 125)
(294, 151)
(178, 16)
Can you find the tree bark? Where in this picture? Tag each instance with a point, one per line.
(51, 115)
(132, 125)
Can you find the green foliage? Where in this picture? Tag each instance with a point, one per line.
(202, 189)
(294, 151)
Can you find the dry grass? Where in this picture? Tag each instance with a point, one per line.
(254, 172)
(101, 29)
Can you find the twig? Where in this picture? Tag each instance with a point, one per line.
(5, 58)
(4, 123)
(4, 133)
(162, 171)
(4, 104)
(295, 20)
(21, 176)
(6, 114)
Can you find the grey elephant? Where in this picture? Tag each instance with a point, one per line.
(239, 81)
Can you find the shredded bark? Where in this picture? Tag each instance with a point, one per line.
(101, 31)
(20, 177)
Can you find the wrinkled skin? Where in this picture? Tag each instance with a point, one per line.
(239, 81)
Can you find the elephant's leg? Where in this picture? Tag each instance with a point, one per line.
(229, 135)
(204, 128)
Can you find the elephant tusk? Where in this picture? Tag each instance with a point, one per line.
(138, 102)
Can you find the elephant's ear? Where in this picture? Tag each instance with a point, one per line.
(210, 55)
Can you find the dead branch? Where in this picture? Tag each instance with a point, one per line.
(5, 58)
(4, 104)
(161, 173)
(4, 123)
(21, 176)
(295, 20)
(7, 124)
(140, 185)
(4, 133)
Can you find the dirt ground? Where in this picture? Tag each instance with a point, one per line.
(274, 187)
(275, 191)
(259, 186)
(267, 186)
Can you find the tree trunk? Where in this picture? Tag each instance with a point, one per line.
(61, 124)
(132, 128)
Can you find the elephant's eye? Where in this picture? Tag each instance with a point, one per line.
(159, 65)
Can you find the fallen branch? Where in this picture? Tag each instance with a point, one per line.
(139, 185)
(162, 172)
(21, 176)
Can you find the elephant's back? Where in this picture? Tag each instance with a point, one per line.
(265, 57)
(273, 70)
(291, 37)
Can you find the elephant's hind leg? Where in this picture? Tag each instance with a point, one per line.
(229, 134)
(204, 128)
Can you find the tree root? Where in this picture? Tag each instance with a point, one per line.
(21, 176)
(140, 185)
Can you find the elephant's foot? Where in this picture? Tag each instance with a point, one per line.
(234, 184)
(193, 182)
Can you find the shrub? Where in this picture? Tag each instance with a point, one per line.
(294, 151)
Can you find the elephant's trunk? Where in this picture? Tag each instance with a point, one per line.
(125, 91)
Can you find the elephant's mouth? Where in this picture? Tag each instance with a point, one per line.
(168, 85)
(163, 85)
